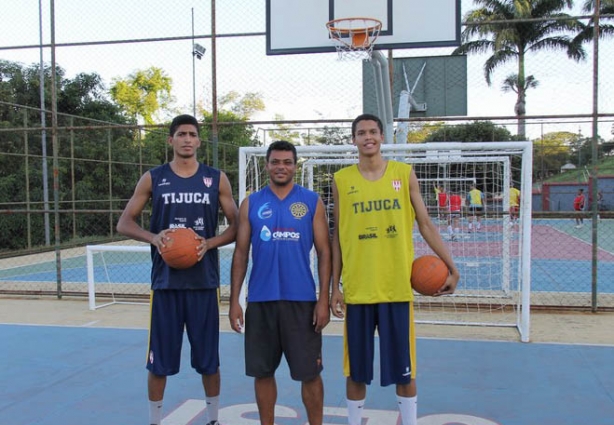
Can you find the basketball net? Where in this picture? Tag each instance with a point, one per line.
(354, 37)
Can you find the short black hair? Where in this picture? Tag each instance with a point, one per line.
(367, 117)
(183, 119)
(281, 145)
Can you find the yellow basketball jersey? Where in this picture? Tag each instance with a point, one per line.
(376, 219)
(514, 197)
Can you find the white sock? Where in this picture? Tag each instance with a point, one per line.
(213, 404)
(355, 408)
(450, 230)
(408, 406)
(155, 412)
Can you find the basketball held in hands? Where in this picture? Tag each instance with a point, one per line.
(428, 274)
(180, 250)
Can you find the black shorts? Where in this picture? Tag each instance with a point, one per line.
(274, 328)
(475, 209)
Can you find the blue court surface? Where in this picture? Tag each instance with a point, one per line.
(96, 376)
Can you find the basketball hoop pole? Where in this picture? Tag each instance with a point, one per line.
(383, 94)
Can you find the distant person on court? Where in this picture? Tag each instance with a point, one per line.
(284, 316)
(183, 193)
(475, 199)
(454, 215)
(578, 206)
(375, 205)
(442, 200)
(514, 205)
(600, 203)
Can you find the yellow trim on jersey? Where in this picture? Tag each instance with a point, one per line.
(413, 357)
(376, 220)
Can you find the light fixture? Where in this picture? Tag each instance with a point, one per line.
(199, 51)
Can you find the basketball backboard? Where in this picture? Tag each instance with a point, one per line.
(299, 26)
(439, 85)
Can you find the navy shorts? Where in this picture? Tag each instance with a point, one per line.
(172, 311)
(274, 328)
(394, 323)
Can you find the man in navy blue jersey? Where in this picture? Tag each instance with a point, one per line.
(284, 314)
(183, 193)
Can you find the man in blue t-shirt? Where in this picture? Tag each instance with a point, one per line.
(281, 223)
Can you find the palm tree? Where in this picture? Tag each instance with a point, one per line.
(513, 28)
(512, 82)
(587, 34)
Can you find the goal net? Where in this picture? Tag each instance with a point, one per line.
(120, 274)
(493, 257)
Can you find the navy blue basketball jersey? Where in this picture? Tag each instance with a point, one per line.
(185, 202)
(282, 238)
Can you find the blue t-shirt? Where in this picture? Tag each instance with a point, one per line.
(185, 202)
(282, 239)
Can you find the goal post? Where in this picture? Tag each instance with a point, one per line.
(121, 273)
(494, 261)
(102, 260)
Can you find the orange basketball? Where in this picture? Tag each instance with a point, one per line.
(428, 274)
(180, 250)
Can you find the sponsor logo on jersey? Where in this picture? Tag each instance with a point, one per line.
(164, 183)
(186, 198)
(376, 205)
(265, 234)
(396, 185)
(352, 190)
(391, 231)
(208, 181)
(199, 224)
(265, 211)
(364, 236)
(298, 210)
(286, 235)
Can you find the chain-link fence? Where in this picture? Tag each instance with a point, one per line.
(66, 174)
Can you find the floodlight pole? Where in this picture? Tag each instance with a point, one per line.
(193, 70)
(214, 132)
(43, 125)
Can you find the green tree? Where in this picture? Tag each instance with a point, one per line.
(85, 160)
(418, 133)
(243, 106)
(143, 93)
(477, 131)
(551, 152)
(230, 138)
(513, 28)
(285, 132)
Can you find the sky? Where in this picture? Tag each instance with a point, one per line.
(297, 87)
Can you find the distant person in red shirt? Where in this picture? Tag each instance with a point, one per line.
(454, 217)
(442, 200)
(578, 206)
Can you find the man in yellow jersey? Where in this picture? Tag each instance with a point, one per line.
(475, 199)
(514, 205)
(375, 205)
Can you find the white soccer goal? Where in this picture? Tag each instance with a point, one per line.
(120, 274)
(494, 262)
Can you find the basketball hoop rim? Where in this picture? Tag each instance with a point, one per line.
(377, 25)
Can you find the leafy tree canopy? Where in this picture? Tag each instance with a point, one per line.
(477, 131)
(143, 93)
